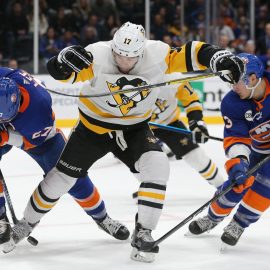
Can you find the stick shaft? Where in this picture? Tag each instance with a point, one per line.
(216, 197)
(180, 130)
(146, 87)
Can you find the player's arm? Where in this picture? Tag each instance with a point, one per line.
(72, 64)
(196, 55)
(236, 143)
(190, 100)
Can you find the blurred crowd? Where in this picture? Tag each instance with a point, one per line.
(70, 22)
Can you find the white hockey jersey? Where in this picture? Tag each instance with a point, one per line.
(104, 114)
(166, 109)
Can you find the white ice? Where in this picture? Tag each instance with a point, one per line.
(69, 239)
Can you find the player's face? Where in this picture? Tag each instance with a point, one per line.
(125, 64)
(244, 87)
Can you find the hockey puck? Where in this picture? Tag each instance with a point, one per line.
(33, 241)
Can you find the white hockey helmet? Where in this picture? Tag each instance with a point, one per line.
(129, 40)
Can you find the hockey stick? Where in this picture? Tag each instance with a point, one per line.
(146, 87)
(33, 241)
(147, 246)
(180, 130)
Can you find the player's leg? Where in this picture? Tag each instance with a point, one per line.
(83, 192)
(78, 155)
(217, 211)
(255, 202)
(5, 228)
(184, 148)
(145, 156)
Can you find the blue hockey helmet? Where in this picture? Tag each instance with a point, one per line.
(253, 66)
(9, 99)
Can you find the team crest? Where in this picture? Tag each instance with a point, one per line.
(161, 106)
(152, 139)
(128, 101)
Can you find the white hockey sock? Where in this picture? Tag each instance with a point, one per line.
(199, 161)
(46, 195)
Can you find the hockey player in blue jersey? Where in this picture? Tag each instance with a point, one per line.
(246, 114)
(28, 122)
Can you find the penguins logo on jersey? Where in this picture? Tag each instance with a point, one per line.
(125, 102)
(161, 106)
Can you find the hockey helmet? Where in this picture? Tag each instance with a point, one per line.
(253, 65)
(9, 99)
(129, 40)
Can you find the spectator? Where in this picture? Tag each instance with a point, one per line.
(42, 24)
(50, 45)
(103, 8)
(89, 36)
(250, 47)
(223, 29)
(12, 63)
(158, 28)
(263, 43)
(110, 23)
(68, 39)
(266, 60)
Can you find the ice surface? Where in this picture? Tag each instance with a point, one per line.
(69, 239)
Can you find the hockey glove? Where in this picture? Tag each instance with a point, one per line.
(74, 58)
(199, 131)
(225, 60)
(236, 169)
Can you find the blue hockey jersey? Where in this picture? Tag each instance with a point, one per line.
(35, 119)
(247, 121)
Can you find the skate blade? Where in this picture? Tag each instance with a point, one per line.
(8, 246)
(140, 256)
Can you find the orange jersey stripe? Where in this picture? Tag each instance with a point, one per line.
(256, 200)
(26, 99)
(219, 210)
(1, 187)
(232, 140)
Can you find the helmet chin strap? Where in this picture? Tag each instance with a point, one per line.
(253, 88)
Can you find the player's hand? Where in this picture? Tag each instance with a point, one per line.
(237, 169)
(74, 58)
(199, 131)
(224, 60)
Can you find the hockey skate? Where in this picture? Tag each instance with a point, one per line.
(232, 233)
(21, 230)
(201, 225)
(5, 235)
(114, 228)
(140, 238)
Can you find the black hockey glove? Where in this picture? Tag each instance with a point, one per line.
(199, 131)
(74, 58)
(225, 60)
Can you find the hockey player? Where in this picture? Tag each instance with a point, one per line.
(28, 122)
(245, 110)
(167, 112)
(118, 123)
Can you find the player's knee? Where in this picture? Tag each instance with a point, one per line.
(153, 167)
(57, 183)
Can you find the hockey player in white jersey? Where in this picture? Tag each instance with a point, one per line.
(119, 123)
(167, 112)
